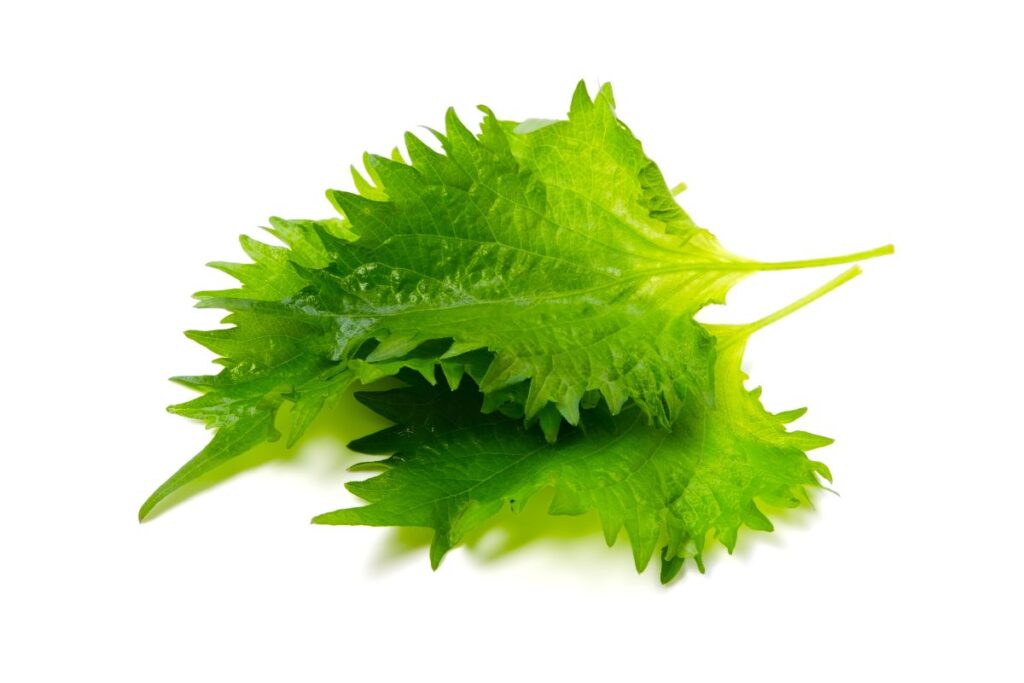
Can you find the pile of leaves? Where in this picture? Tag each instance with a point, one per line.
(534, 288)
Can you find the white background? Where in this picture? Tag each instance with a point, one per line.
(137, 142)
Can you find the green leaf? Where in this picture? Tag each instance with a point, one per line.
(454, 468)
(267, 358)
(549, 262)
(559, 248)
(244, 426)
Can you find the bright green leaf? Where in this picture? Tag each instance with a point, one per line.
(454, 468)
(548, 262)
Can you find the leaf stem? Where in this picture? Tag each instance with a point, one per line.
(827, 261)
(757, 266)
(730, 334)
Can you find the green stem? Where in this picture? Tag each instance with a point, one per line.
(757, 266)
(733, 333)
(828, 261)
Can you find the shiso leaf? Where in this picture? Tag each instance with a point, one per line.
(547, 263)
(453, 468)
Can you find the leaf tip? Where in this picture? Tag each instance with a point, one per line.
(439, 547)
(580, 99)
(670, 566)
(322, 518)
(154, 499)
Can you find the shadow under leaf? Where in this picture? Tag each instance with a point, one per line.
(577, 539)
